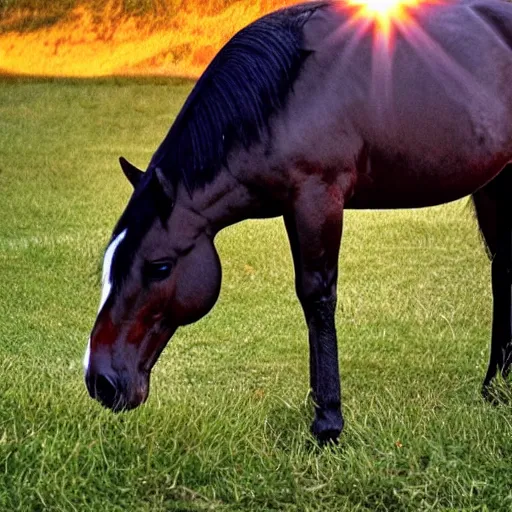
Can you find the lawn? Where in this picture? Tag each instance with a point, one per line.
(226, 426)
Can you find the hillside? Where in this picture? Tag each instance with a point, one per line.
(124, 37)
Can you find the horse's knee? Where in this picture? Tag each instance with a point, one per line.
(317, 291)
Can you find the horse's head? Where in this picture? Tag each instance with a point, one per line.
(160, 271)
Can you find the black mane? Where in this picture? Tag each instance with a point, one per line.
(232, 102)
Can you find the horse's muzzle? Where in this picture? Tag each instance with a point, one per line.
(117, 393)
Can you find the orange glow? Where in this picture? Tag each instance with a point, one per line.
(106, 42)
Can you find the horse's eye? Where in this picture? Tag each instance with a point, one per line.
(157, 270)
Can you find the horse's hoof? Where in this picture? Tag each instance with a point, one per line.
(497, 393)
(328, 437)
(327, 433)
(487, 393)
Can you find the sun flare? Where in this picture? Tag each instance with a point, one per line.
(383, 24)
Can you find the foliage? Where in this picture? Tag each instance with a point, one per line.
(226, 425)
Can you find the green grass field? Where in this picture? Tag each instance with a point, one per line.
(227, 423)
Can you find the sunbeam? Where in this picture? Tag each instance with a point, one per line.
(385, 23)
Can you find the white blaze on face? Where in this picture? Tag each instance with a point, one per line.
(106, 282)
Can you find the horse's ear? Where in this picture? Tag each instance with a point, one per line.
(165, 184)
(133, 174)
(163, 194)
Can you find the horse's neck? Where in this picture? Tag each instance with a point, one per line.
(223, 202)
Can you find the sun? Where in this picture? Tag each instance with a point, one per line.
(382, 8)
(384, 13)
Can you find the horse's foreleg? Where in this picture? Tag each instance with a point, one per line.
(494, 212)
(314, 229)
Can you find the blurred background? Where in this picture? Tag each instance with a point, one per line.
(87, 38)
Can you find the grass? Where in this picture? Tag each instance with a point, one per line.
(226, 426)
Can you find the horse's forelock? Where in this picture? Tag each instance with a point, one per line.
(148, 205)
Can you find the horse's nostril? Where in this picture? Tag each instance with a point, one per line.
(105, 391)
(115, 392)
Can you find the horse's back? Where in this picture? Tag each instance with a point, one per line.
(431, 102)
(455, 56)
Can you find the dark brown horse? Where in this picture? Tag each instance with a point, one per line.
(306, 112)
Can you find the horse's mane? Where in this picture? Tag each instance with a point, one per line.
(231, 104)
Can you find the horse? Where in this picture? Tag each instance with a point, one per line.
(308, 111)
